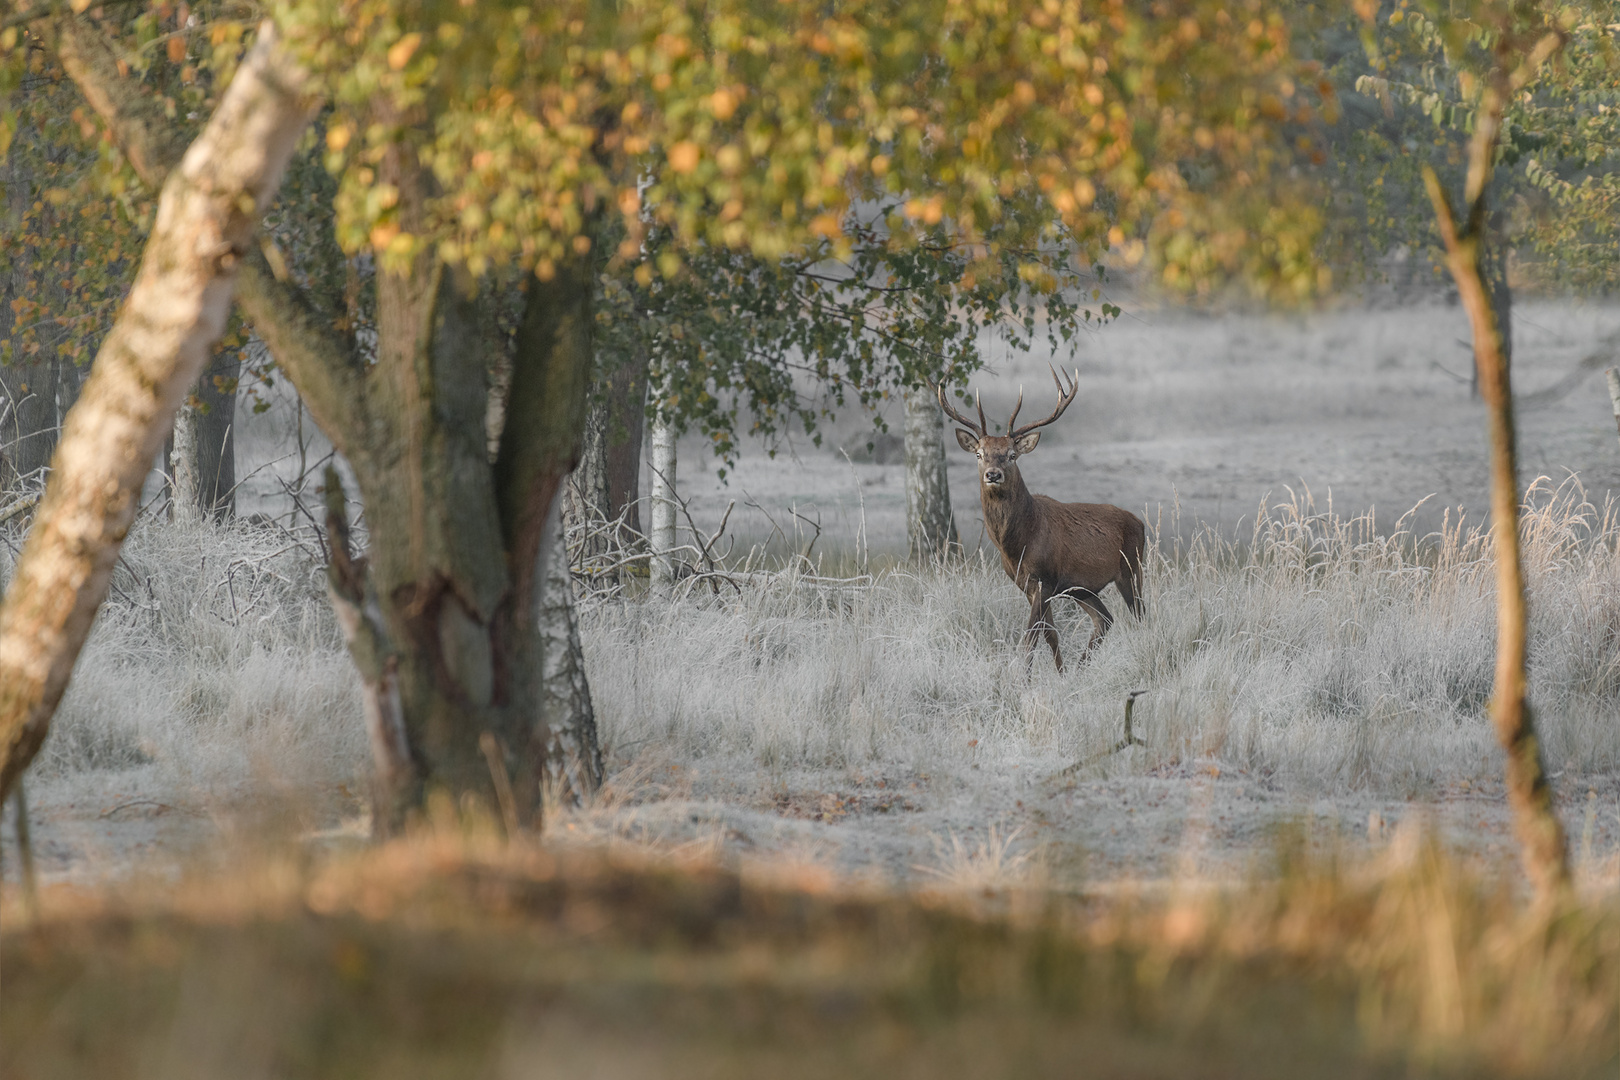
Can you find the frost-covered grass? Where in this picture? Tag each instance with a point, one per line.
(214, 662)
(1318, 659)
(1317, 653)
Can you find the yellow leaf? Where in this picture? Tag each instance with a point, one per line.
(722, 103)
(684, 156)
(400, 53)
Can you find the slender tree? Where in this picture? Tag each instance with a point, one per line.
(1520, 40)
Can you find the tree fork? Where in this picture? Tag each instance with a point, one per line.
(156, 350)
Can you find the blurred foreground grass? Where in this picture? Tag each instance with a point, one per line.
(451, 955)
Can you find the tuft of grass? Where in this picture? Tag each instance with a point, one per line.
(993, 863)
(214, 662)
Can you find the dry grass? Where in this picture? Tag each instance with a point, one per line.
(214, 663)
(1319, 654)
(449, 955)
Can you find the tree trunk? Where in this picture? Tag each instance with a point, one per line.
(1542, 844)
(625, 423)
(28, 412)
(573, 769)
(1493, 259)
(930, 525)
(28, 435)
(584, 506)
(216, 435)
(158, 347)
(184, 487)
(455, 541)
(662, 536)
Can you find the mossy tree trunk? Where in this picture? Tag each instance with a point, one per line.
(454, 563)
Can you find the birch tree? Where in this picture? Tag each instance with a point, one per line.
(175, 313)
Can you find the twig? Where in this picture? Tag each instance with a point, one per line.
(503, 782)
(1129, 740)
(161, 806)
(23, 504)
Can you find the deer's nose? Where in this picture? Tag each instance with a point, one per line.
(993, 476)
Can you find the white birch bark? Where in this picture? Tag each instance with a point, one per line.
(930, 525)
(184, 496)
(661, 537)
(154, 354)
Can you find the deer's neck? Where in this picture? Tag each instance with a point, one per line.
(1008, 511)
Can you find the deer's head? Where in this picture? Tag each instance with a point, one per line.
(998, 454)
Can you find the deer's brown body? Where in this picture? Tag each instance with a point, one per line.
(1049, 548)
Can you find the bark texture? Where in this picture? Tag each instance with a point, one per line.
(573, 767)
(930, 524)
(395, 775)
(584, 503)
(1542, 843)
(624, 424)
(156, 350)
(185, 489)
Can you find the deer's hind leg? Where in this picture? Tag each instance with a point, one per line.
(1128, 583)
(1040, 622)
(1101, 619)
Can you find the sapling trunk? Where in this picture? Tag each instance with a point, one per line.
(662, 535)
(1542, 844)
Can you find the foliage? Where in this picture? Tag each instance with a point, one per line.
(79, 216)
(734, 332)
(757, 127)
(1416, 85)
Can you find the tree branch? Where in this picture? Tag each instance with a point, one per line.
(320, 362)
(148, 138)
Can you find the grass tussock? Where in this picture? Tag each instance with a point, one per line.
(1319, 652)
(214, 661)
(448, 954)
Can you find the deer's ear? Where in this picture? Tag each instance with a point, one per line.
(967, 441)
(1027, 443)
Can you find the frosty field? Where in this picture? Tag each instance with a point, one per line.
(1315, 663)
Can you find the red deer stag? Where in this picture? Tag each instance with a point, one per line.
(1048, 548)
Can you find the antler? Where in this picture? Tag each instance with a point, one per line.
(980, 429)
(1066, 395)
